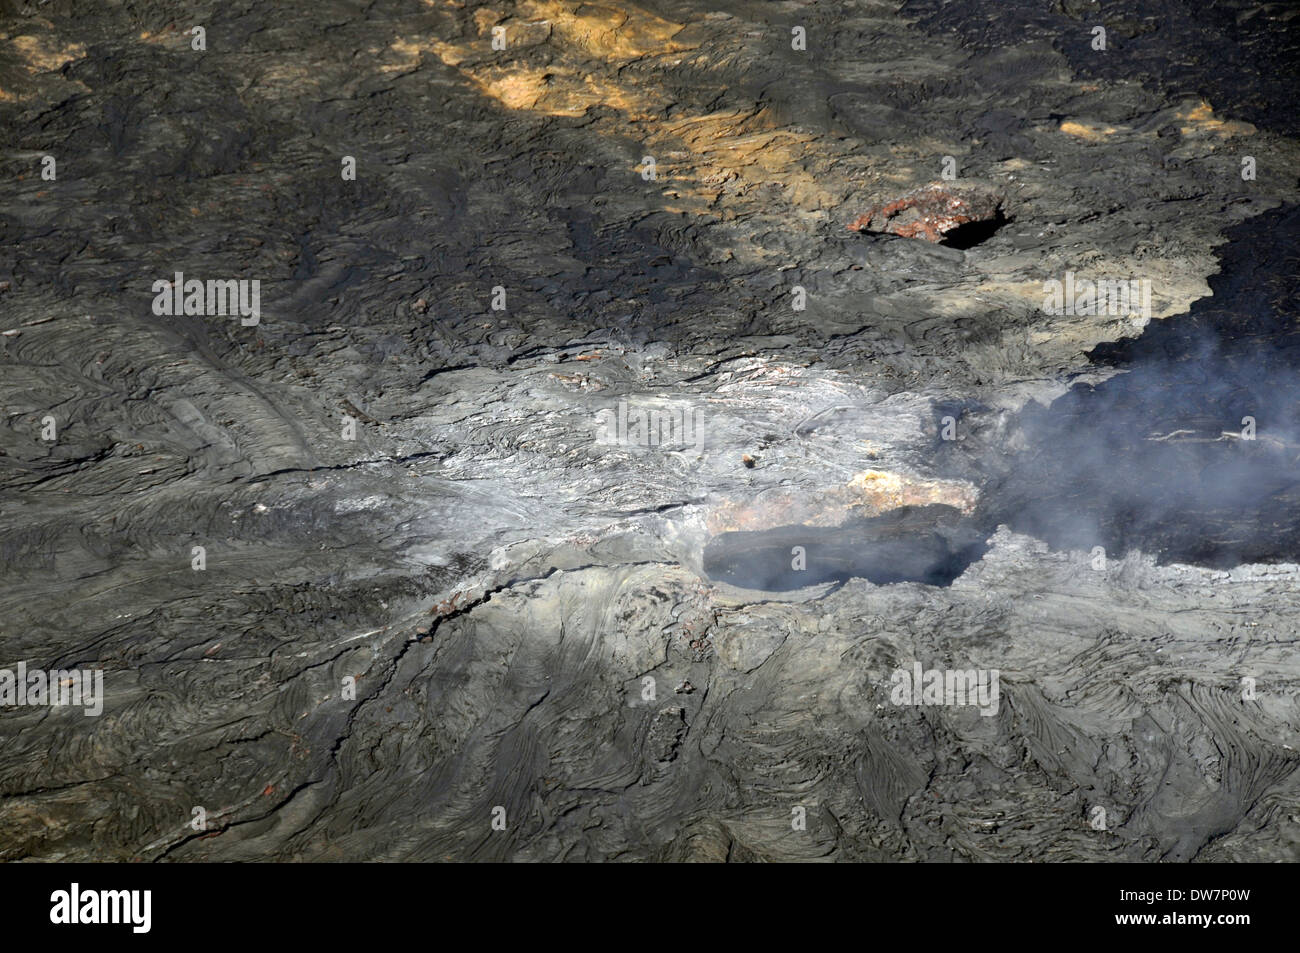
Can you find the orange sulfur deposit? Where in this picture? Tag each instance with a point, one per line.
(868, 493)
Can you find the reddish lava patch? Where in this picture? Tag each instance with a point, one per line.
(931, 212)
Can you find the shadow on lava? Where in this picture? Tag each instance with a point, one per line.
(1162, 457)
(975, 233)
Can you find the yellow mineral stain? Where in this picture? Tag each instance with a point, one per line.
(42, 53)
(704, 159)
(612, 33)
(1200, 119)
(1086, 131)
(36, 54)
(882, 490)
(402, 56)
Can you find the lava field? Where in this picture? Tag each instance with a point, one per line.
(537, 430)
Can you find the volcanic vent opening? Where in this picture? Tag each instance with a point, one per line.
(928, 544)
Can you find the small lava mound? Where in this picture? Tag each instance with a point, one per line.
(961, 216)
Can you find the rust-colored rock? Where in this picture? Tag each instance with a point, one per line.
(931, 212)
